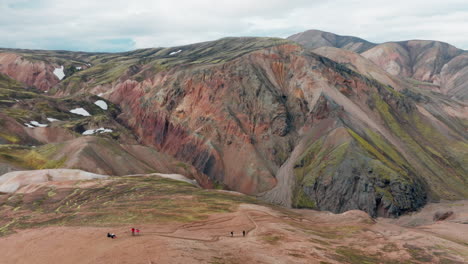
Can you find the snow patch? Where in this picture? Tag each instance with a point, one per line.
(176, 177)
(78, 68)
(59, 73)
(37, 124)
(174, 52)
(34, 124)
(88, 132)
(80, 111)
(52, 119)
(101, 104)
(99, 130)
(104, 130)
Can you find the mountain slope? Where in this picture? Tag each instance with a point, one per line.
(432, 65)
(267, 117)
(41, 132)
(315, 39)
(38, 68)
(436, 63)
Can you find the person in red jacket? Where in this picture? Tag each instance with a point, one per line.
(133, 231)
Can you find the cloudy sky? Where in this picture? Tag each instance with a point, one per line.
(115, 25)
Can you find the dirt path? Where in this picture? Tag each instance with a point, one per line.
(301, 236)
(208, 225)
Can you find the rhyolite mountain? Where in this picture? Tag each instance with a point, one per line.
(430, 64)
(325, 125)
(312, 39)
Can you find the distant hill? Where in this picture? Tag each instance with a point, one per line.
(436, 65)
(315, 39)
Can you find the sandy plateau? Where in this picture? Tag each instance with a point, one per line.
(273, 234)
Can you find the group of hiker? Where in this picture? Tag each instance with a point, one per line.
(243, 233)
(135, 231)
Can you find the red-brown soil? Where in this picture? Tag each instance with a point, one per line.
(272, 237)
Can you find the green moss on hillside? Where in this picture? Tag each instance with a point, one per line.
(316, 161)
(445, 181)
(108, 68)
(31, 158)
(122, 200)
(380, 156)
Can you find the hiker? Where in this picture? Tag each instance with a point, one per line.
(133, 231)
(243, 233)
(232, 234)
(138, 231)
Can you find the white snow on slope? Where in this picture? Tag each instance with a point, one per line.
(174, 52)
(88, 132)
(78, 68)
(52, 119)
(59, 73)
(101, 104)
(176, 177)
(104, 130)
(80, 111)
(28, 125)
(99, 130)
(35, 123)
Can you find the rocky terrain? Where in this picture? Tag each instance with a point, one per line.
(318, 121)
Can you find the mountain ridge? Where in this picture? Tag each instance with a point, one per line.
(309, 132)
(433, 62)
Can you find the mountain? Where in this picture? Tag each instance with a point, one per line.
(315, 39)
(330, 130)
(432, 65)
(41, 132)
(438, 65)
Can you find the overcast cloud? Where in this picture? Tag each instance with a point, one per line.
(115, 25)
